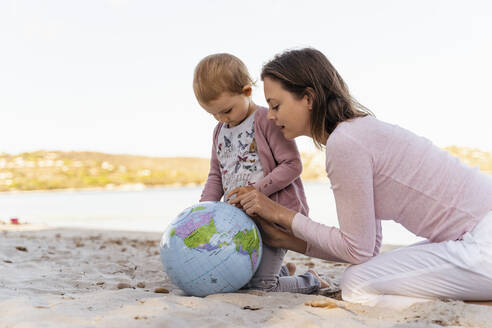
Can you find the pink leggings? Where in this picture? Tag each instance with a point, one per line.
(460, 270)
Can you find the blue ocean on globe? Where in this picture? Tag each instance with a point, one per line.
(211, 247)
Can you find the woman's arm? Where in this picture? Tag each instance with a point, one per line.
(350, 171)
(255, 203)
(280, 239)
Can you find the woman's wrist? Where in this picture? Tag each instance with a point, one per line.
(284, 216)
(298, 245)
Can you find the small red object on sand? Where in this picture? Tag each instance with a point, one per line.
(14, 221)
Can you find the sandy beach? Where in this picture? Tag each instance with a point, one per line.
(97, 278)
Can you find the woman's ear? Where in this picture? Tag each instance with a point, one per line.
(247, 90)
(309, 97)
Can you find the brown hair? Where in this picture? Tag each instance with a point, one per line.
(308, 72)
(219, 73)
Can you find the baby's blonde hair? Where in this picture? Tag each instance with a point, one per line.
(219, 73)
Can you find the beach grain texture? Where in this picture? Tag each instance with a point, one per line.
(97, 278)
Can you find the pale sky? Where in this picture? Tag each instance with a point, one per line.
(115, 76)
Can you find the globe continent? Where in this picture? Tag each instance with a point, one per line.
(211, 247)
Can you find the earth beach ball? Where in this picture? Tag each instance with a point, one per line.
(211, 247)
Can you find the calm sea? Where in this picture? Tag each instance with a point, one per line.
(149, 209)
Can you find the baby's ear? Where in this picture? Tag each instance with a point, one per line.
(247, 90)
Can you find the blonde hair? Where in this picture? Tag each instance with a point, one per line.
(219, 73)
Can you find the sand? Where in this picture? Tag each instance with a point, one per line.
(97, 278)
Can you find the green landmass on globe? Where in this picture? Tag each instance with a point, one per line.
(247, 241)
(201, 235)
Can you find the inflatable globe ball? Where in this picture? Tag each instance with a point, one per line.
(211, 247)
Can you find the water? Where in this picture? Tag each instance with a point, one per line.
(149, 210)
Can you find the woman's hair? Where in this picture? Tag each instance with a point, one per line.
(308, 72)
(219, 73)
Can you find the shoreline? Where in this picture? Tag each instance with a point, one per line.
(127, 187)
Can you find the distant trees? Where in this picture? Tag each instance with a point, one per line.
(47, 170)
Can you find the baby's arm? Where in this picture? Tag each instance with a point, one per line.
(213, 189)
(287, 158)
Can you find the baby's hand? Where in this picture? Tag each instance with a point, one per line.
(239, 191)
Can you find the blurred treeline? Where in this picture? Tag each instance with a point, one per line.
(48, 170)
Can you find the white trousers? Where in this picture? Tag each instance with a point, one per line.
(460, 270)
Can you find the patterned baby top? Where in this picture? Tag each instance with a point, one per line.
(238, 155)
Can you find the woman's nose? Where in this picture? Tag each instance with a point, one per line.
(270, 115)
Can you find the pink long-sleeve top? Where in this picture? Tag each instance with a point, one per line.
(380, 171)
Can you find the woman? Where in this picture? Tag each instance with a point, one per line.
(378, 172)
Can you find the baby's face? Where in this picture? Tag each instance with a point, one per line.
(229, 108)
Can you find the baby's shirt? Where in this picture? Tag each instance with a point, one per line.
(237, 154)
(280, 161)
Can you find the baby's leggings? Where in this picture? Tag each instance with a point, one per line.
(460, 270)
(272, 276)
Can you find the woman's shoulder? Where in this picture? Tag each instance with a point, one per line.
(367, 133)
(361, 125)
(357, 129)
(373, 136)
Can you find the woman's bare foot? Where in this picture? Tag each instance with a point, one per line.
(292, 268)
(324, 284)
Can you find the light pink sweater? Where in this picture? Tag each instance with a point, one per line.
(380, 171)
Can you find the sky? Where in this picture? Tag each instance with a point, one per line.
(115, 76)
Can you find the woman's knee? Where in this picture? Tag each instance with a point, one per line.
(354, 284)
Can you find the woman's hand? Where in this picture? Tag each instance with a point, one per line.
(238, 192)
(267, 213)
(252, 201)
(274, 237)
(255, 203)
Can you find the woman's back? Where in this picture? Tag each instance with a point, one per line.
(415, 183)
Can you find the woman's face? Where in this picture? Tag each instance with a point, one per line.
(292, 115)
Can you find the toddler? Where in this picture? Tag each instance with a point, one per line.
(249, 151)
